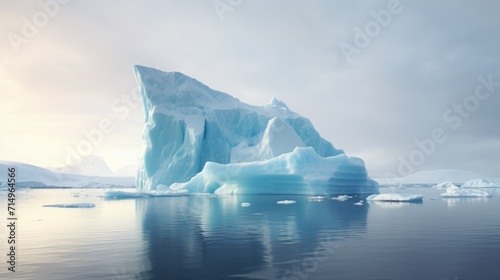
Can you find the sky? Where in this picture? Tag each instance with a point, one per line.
(405, 85)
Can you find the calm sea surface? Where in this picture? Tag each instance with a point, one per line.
(208, 237)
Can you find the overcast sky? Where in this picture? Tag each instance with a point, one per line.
(374, 77)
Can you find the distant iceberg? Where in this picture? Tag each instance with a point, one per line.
(455, 191)
(205, 141)
(395, 197)
(480, 183)
(444, 185)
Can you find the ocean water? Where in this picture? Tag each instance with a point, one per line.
(214, 237)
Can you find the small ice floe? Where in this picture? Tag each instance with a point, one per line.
(286, 202)
(480, 183)
(359, 203)
(316, 198)
(395, 197)
(341, 197)
(245, 204)
(71, 205)
(455, 191)
(121, 194)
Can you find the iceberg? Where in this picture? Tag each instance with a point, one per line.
(395, 197)
(455, 191)
(204, 141)
(444, 185)
(480, 183)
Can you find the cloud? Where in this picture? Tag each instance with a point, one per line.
(394, 91)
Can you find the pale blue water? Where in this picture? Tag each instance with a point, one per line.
(206, 237)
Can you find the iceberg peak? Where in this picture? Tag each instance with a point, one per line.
(275, 102)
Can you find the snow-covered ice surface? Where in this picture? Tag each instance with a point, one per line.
(395, 197)
(455, 191)
(206, 141)
(480, 183)
(71, 205)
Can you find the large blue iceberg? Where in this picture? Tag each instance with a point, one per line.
(206, 141)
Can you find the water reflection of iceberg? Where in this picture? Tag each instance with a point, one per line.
(206, 237)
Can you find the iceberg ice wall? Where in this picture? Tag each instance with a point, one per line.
(208, 141)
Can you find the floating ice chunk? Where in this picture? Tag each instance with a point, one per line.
(444, 185)
(72, 205)
(163, 190)
(286, 202)
(359, 203)
(455, 191)
(341, 197)
(315, 198)
(245, 204)
(122, 194)
(480, 183)
(395, 197)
